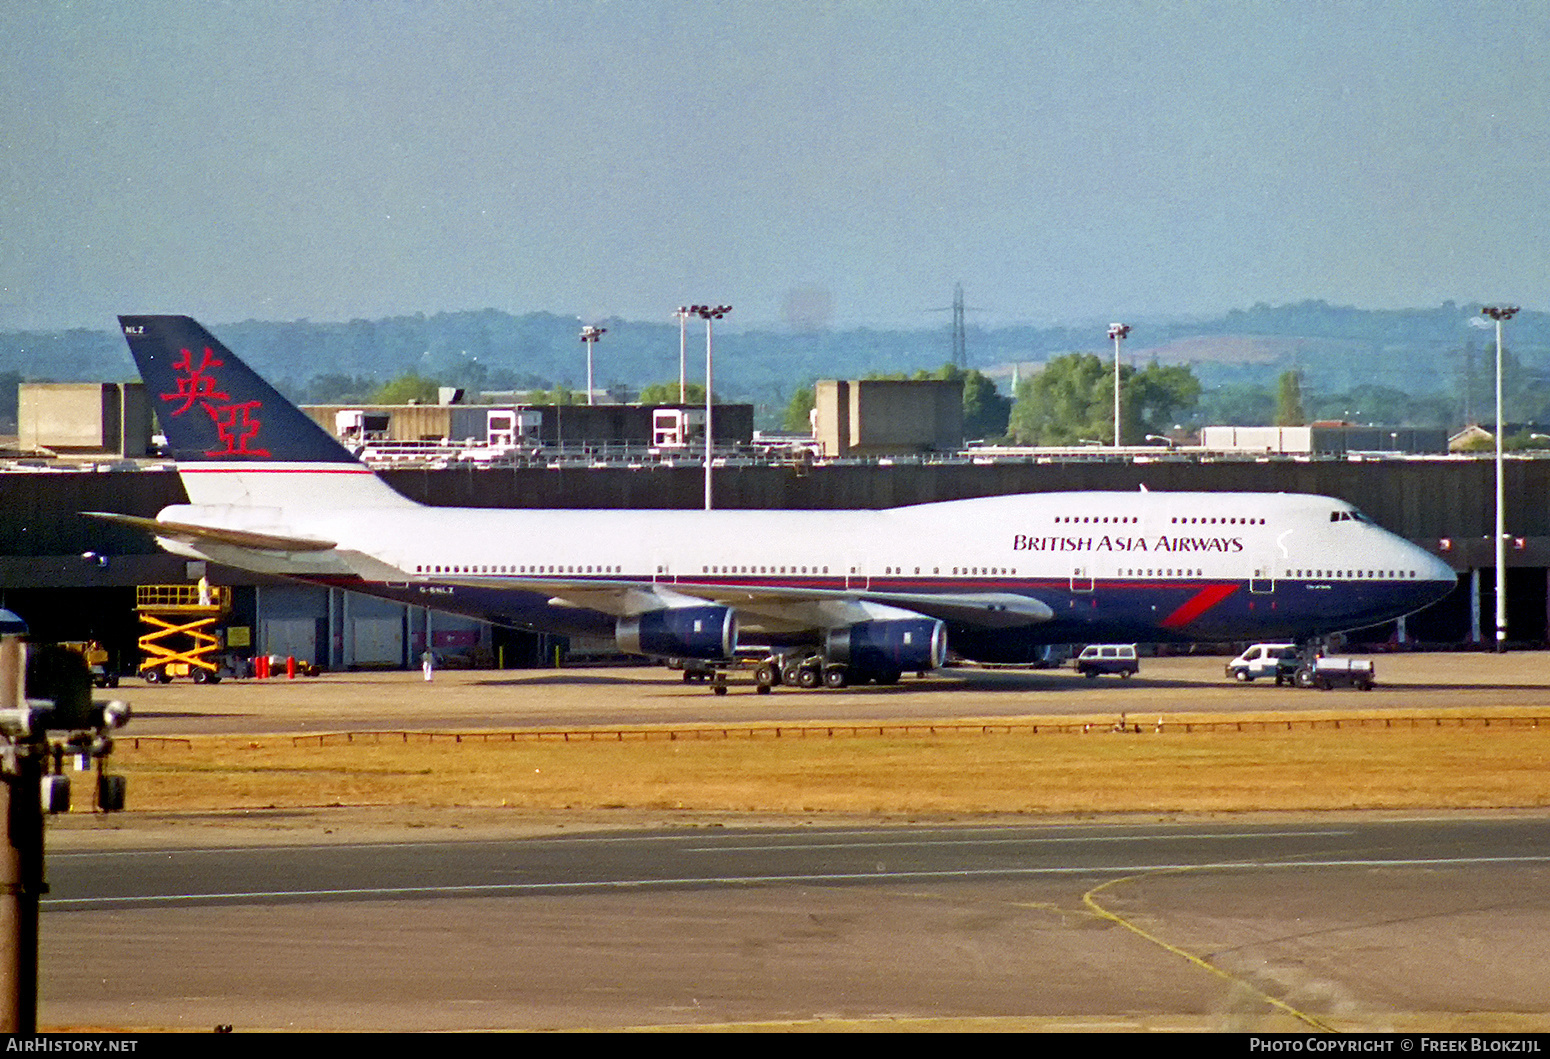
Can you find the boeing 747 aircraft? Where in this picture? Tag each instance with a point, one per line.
(832, 597)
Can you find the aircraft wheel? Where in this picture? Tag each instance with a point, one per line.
(766, 676)
(809, 677)
(790, 671)
(836, 676)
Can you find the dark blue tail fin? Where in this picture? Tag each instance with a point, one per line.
(212, 406)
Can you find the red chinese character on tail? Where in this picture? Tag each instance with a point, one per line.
(236, 425)
(196, 385)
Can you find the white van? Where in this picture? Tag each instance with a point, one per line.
(1279, 660)
(1108, 658)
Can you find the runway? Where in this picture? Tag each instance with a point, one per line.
(1351, 923)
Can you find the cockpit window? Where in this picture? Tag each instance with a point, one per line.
(1348, 515)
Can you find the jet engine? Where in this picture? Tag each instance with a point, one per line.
(889, 646)
(679, 632)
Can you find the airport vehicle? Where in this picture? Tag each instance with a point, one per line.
(830, 597)
(1279, 660)
(96, 661)
(1327, 673)
(1118, 659)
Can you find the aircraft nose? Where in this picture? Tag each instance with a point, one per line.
(1429, 567)
(1434, 578)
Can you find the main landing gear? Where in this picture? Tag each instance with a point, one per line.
(814, 671)
(805, 671)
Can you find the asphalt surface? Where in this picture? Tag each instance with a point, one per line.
(1350, 924)
(807, 856)
(409, 919)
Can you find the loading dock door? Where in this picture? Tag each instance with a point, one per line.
(378, 642)
(290, 638)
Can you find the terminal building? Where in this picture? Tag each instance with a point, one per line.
(1324, 439)
(75, 578)
(887, 417)
(557, 429)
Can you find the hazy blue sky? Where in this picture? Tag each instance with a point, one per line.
(1064, 161)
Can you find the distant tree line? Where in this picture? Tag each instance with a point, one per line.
(1425, 367)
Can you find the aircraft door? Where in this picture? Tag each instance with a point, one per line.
(856, 572)
(1262, 581)
(1082, 579)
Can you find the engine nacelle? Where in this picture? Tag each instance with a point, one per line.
(901, 644)
(679, 632)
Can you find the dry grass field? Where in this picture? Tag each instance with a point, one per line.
(1271, 768)
(1454, 731)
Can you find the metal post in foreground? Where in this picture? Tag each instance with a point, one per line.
(39, 692)
(21, 854)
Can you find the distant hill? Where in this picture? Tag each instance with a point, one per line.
(1419, 351)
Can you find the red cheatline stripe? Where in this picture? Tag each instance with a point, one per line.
(1198, 604)
(182, 469)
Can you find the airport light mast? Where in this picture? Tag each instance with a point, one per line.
(707, 313)
(1117, 332)
(590, 335)
(1500, 314)
(683, 363)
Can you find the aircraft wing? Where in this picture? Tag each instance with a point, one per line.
(188, 533)
(777, 609)
(992, 610)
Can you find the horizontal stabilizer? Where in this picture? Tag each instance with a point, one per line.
(192, 534)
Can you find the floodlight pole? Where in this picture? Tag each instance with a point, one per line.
(683, 360)
(708, 313)
(1500, 314)
(1117, 332)
(590, 335)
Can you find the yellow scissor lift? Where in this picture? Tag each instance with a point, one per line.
(181, 638)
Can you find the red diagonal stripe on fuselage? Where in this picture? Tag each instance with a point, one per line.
(1198, 604)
